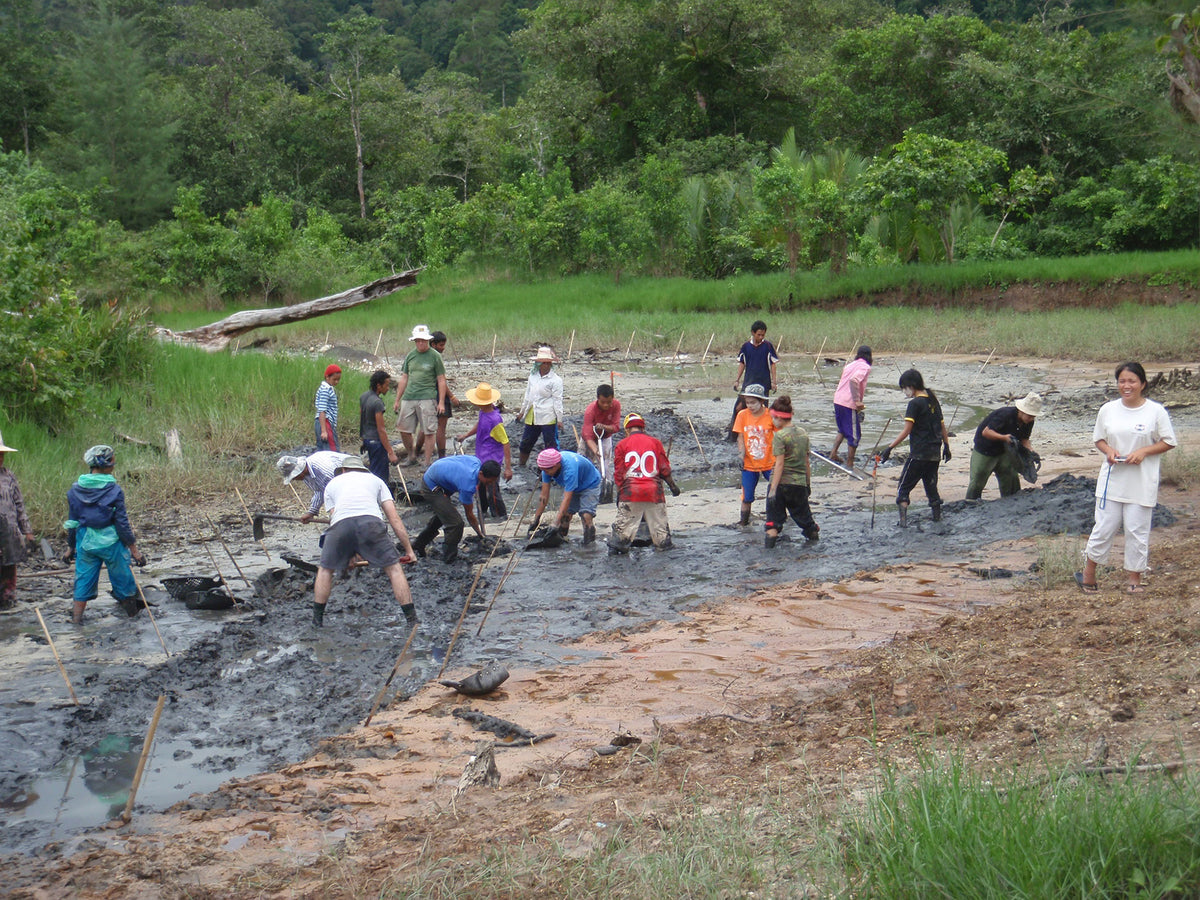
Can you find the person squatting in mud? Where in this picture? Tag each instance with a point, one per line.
(542, 407)
(458, 474)
(754, 429)
(15, 530)
(99, 534)
(580, 481)
(1132, 432)
(848, 404)
(640, 469)
(996, 439)
(925, 427)
(491, 443)
(316, 471)
(358, 502)
(756, 365)
(791, 476)
(326, 403)
(372, 427)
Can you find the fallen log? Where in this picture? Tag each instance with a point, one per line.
(217, 336)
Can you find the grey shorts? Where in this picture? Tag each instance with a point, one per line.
(585, 501)
(365, 535)
(418, 412)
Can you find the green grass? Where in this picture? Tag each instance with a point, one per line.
(1181, 468)
(950, 832)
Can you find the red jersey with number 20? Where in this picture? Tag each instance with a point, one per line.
(640, 463)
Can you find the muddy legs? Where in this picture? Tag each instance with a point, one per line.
(903, 507)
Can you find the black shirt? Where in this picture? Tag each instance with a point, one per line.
(1004, 421)
(925, 439)
(369, 404)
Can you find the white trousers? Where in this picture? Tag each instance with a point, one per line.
(1136, 522)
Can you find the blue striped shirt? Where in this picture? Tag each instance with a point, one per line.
(327, 402)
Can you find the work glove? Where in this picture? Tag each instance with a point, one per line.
(946, 453)
(886, 454)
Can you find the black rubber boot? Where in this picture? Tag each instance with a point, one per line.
(318, 614)
(813, 534)
(903, 507)
(589, 534)
(131, 605)
(449, 553)
(937, 511)
(770, 540)
(745, 520)
(410, 615)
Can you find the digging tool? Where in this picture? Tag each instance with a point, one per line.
(466, 606)
(606, 486)
(150, 612)
(251, 518)
(391, 675)
(296, 494)
(260, 532)
(47, 550)
(829, 462)
(228, 552)
(57, 659)
(141, 766)
(699, 446)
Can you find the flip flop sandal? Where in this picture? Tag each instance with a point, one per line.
(1084, 586)
(1136, 589)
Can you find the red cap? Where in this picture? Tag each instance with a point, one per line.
(332, 369)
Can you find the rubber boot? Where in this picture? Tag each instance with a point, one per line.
(318, 614)
(745, 520)
(770, 540)
(589, 534)
(937, 511)
(903, 507)
(410, 615)
(449, 552)
(813, 534)
(130, 605)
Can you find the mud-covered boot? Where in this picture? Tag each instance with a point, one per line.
(450, 553)
(903, 507)
(589, 534)
(131, 605)
(813, 534)
(937, 511)
(410, 615)
(745, 520)
(770, 540)
(318, 614)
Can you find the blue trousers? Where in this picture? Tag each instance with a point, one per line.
(87, 570)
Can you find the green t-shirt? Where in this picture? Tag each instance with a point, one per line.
(791, 443)
(422, 370)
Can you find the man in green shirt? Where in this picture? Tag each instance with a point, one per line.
(420, 393)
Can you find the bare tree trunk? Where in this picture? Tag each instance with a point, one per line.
(217, 336)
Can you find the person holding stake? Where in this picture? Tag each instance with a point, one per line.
(358, 503)
(791, 477)
(580, 482)
(99, 534)
(925, 427)
(848, 404)
(1000, 429)
(15, 530)
(458, 474)
(1132, 432)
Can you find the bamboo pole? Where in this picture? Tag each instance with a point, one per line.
(494, 336)
(213, 560)
(511, 564)
(378, 342)
(678, 345)
(817, 360)
(629, 346)
(466, 606)
(706, 349)
(57, 658)
(571, 345)
(699, 447)
(228, 552)
(395, 669)
(141, 766)
(150, 613)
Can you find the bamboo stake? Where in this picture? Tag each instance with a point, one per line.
(494, 336)
(571, 346)
(875, 468)
(630, 344)
(678, 345)
(578, 443)
(404, 484)
(817, 360)
(228, 552)
(706, 349)
(378, 342)
(57, 658)
(251, 518)
(395, 669)
(294, 494)
(699, 447)
(512, 561)
(150, 613)
(466, 606)
(213, 560)
(141, 766)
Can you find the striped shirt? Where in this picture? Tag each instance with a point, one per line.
(327, 403)
(321, 468)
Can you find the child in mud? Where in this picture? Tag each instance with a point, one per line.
(791, 476)
(756, 365)
(926, 429)
(99, 534)
(848, 404)
(15, 531)
(754, 429)
(491, 443)
(326, 403)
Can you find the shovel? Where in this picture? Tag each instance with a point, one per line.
(606, 486)
(260, 532)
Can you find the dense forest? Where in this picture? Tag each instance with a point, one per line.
(267, 149)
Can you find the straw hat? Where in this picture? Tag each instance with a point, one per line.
(421, 333)
(544, 354)
(4, 448)
(1030, 404)
(482, 394)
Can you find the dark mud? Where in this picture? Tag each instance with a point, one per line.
(258, 686)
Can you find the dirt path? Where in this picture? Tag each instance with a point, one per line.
(650, 646)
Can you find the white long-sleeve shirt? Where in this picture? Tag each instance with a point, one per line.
(543, 403)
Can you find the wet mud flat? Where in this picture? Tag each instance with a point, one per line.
(258, 687)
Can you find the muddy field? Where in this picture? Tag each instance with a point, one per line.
(597, 646)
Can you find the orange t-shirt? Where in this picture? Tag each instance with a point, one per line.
(757, 434)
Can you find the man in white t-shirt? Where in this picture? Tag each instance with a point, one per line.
(358, 502)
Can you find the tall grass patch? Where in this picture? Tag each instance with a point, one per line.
(948, 832)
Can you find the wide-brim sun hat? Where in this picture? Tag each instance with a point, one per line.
(1030, 404)
(352, 464)
(482, 394)
(548, 459)
(544, 354)
(633, 420)
(4, 448)
(756, 391)
(291, 467)
(421, 333)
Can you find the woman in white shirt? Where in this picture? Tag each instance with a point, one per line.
(1132, 432)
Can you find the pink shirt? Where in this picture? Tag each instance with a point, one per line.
(853, 384)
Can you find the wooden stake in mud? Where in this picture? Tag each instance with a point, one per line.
(817, 361)
(678, 345)
(213, 560)
(228, 552)
(875, 467)
(629, 346)
(706, 349)
(294, 494)
(57, 659)
(150, 613)
(571, 345)
(141, 766)
(512, 561)
(494, 336)
(466, 606)
(251, 518)
(378, 342)
(391, 675)
(971, 384)
(404, 483)
(703, 455)
(578, 443)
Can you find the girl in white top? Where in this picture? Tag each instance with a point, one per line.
(1132, 432)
